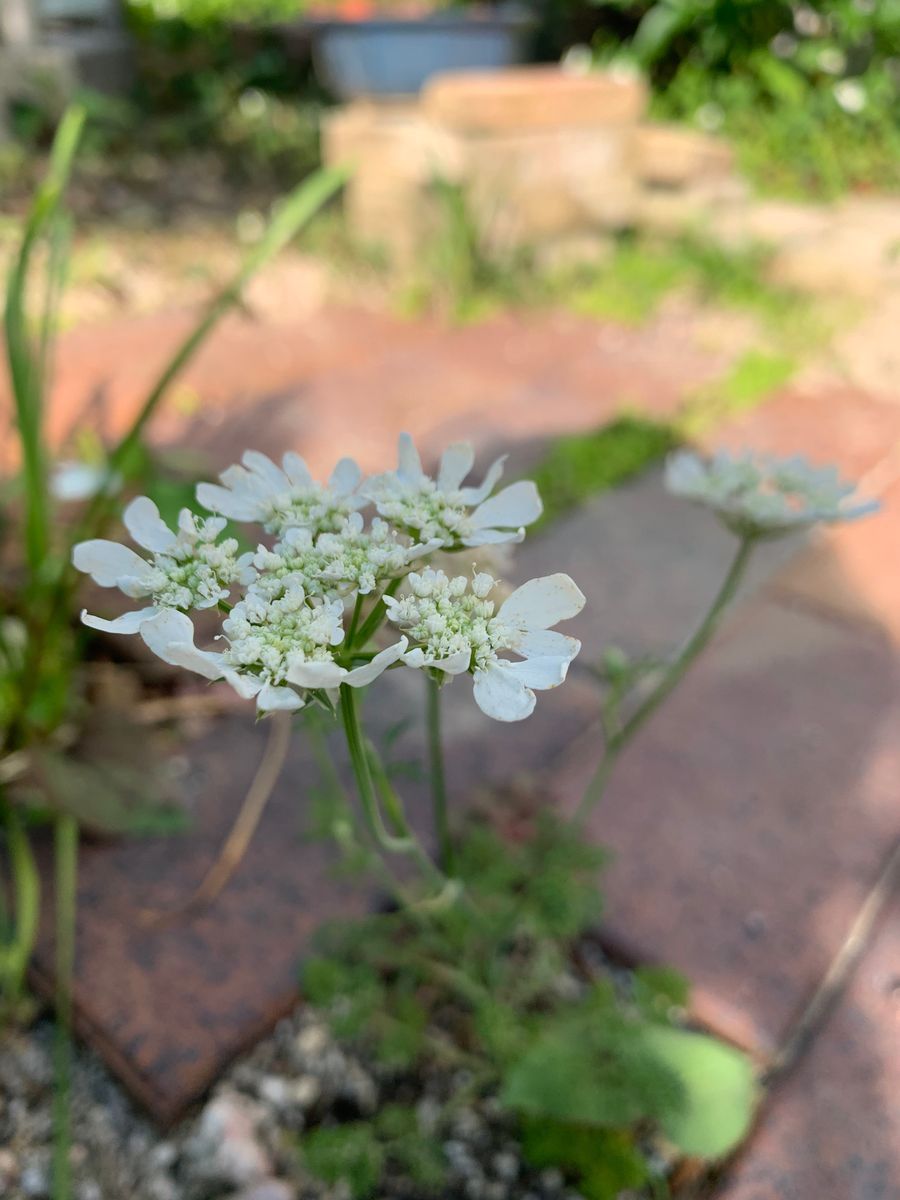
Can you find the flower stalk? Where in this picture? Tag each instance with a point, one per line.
(619, 738)
(437, 774)
(66, 873)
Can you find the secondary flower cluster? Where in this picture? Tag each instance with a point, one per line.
(758, 495)
(315, 594)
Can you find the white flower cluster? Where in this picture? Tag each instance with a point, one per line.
(187, 569)
(757, 495)
(454, 628)
(300, 627)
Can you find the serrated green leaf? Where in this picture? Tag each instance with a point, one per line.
(658, 990)
(603, 1162)
(593, 1067)
(720, 1091)
(349, 1154)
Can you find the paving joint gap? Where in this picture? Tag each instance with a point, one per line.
(839, 974)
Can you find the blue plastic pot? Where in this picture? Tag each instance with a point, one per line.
(396, 57)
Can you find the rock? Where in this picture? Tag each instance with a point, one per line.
(34, 1180)
(311, 1043)
(573, 251)
(225, 1147)
(267, 1189)
(673, 156)
(529, 98)
(9, 1170)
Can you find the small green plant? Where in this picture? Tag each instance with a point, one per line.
(583, 1076)
(581, 465)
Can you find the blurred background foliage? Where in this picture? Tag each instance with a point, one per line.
(809, 93)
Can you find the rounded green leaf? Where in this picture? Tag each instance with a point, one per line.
(720, 1091)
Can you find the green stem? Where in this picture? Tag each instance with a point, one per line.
(362, 773)
(26, 900)
(373, 621)
(438, 775)
(66, 871)
(363, 759)
(357, 612)
(669, 679)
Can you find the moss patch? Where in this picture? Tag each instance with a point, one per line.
(579, 466)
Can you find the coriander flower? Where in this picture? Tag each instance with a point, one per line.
(453, 628)
(444, 511)
(352, 561)
(187, 569)
(757, 495)
(277, 641)
(285, 497)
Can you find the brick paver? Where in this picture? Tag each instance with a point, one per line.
(750, 820)
(169, 1007)
(849, 570)
(832, 1130)
(347, 380)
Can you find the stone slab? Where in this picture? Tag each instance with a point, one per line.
(831, 1131)
(528, 98)
(672, 156)
(752, 815)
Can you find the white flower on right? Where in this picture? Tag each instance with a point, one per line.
(761, 496)
(442, 510)
(453, 628)
(285, 497)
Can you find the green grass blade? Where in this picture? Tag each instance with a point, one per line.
(23, 356)
(297, 210)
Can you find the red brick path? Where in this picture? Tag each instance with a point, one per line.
(754, 816)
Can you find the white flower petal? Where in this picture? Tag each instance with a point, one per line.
(170, 635)
(345, 478)
(142, 520)
(246, 686)
(282, 699)
(456, 664)
(79, 481)
(364, 675)
(494, 537)
(129, 622)
(456, 463)
(316, 674)
(237, 506)
(540, 673)
(409, 468)
(541, 643)
(540, 603)
(106, 562)
(296, 470)
(262, 466)
(475, 495)
(519, 504)
(500, 694)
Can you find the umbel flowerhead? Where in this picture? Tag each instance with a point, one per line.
(304, 612)
(761, 496)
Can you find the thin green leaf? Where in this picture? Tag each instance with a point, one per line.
(24, 358)
(296, 211)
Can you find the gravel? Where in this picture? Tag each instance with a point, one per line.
(243, 1142)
